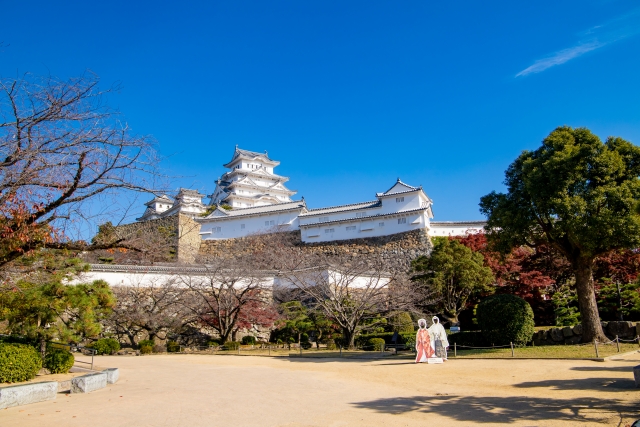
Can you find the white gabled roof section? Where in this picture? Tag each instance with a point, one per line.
(399, 187)
(256, 210)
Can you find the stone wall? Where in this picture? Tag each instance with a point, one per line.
(176, 236)
(573, 334)
(397, 250)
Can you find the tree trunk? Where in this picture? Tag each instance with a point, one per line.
(349, 338)
(591, 326)
(619, 316)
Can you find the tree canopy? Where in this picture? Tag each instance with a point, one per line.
(454, 273)
(577, 194)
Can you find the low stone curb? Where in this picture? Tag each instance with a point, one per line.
(24, 394)
(89, 383)
(27, 393)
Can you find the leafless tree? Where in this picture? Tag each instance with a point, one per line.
(230, 296)
(355, 292)
(62, 152)
(153, 310)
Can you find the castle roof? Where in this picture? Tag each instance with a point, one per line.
(162, 199)
(250, 155)
(220, 213)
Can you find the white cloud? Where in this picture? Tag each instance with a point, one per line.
(594, 38)
(560, 57)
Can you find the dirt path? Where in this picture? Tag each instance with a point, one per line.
(194, 390)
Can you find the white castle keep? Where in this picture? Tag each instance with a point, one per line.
(250, 198)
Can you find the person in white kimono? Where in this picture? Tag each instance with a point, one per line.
(439, 339)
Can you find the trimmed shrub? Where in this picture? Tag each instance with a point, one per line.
(146, 343)
(173, 347)
(58, 361)
(402, 322)
(504, 319)
(146, 349)
(231, 345)
(213, 343)
(249, 340)
(331, 344)
(106, 346)
(18, 362)
(375, 344)
(403, 338)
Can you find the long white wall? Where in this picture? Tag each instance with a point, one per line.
(359, 228)
(234, 227)
(439, 229)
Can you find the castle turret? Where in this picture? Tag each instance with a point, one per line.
(251, 181)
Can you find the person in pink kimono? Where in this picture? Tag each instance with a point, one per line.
(424, 350)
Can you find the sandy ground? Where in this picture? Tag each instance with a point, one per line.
(196, 390)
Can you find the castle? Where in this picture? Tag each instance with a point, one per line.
(251, 198)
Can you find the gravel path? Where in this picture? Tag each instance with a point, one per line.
(195, 390)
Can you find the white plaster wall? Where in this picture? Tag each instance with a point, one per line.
(411, 201)
(455, 229)
(413, 221)
(149, 280)
(232, 227)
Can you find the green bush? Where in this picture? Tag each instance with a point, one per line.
(231, 345)
(331, 344)
(173, 347)
(403, 338)
(18, 362)
(146, 343)
(375, 344)
(402, 322)
(213, 343)
(249, 340)
(504, 319)
(106, 346)
(58, 361)
(146, 349)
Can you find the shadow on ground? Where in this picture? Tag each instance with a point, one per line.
(597, 384)
(506, 409)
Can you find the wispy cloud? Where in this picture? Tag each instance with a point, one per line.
(594, 38)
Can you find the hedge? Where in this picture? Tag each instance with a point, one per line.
(18, 362)
(403, 338)
(375, 344)
(504, 319)
(248, 340)
(106, 346)
(58, 361)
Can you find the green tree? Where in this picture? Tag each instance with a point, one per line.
(454, 273)
(44, 307)
(619, 301)
(295, 319)
(577, 194)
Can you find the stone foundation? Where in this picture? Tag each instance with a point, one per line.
(397, 250)
(573, 334)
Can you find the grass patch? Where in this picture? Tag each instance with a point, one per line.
(579, 351)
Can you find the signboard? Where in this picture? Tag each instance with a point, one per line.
(454, 329)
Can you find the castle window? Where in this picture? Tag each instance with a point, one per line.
(361, 214)
(216, 229)
(402, 220)
(241, 226)
(351, 228)
(268, 223)
(381, 224)
(399, 199)
(329, 230)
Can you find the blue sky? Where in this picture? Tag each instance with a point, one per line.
(350, 95)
